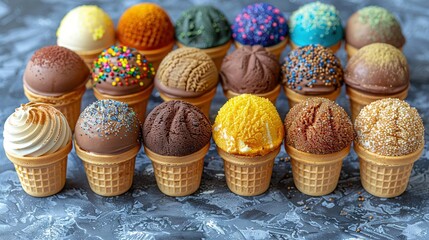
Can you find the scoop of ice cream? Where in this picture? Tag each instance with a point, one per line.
(260, 24)
(107, 127)
(176, 128)
(86, 28)
(389, 127)
(145, 26)
(186, 72)
(378, 68)
(35, 129)
(373, 24)
(203, 27)
(316, 23)
(120, 70)
(312, 70)
(54, 71)
(250, 69)
(248, 125)
(318, 126)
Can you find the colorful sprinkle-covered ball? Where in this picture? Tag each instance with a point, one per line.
(316, 23)
(120, 70)
(108, 127)
(203, 27)
(373, 24)
(260, 24)
(312, 70)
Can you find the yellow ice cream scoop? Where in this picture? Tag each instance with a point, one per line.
(248, 125)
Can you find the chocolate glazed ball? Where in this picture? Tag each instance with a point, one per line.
(176, 128)
(108, 127)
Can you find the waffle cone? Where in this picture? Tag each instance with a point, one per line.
(271, 95)
(352, 50)
(359, 99)
(42, 176)
(334, 47)
(295, 98)
(216, 53)
(277, 49)
(69, 103)
(178, 176)
(109, 175)
(248, 176)
(203, 102)
(316, 174)
(137, 101)
(155, 56)
(385, 176)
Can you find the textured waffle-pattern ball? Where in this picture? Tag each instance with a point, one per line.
(145, 26)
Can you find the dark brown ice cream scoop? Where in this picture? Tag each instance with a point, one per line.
(176, 128)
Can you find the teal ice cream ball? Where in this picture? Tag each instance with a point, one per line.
(316, 23)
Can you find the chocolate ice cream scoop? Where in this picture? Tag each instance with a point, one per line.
(378, 68)
(318, 126)
(54, 71)
(107, 127)
(186, 72)
(312, 70)
(176, 128)
(120, 70)
(250, 69)
(389, 127)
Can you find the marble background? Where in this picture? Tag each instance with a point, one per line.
(213, 211)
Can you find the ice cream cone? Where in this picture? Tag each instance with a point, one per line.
(276, 49)
(202, 102)
(155, 56)
(109, 175)
(248, 176)
(69, 103)
(178, 176)
(316, 174)
(271, 95)
(295, 98)
(334, 47)
(385, 176)
(42, 176)
(137, 101)
(359, 99)
(352, 50)
(216, 53)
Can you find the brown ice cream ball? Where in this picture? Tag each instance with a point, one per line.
(378, 68)
(54, 71)
(373, 24)
(176, 128)
(186, 71)
(389, 127)
(107, 127)
(318, 126)
(250, 69)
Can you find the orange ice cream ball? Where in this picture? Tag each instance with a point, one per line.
(145, 26)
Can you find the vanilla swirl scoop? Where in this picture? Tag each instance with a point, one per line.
(35, 129)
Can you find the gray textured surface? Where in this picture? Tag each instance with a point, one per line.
(213, 211)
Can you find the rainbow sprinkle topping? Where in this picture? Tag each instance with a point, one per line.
(122, 66)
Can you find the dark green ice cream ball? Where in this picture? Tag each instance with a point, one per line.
(203, 27)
